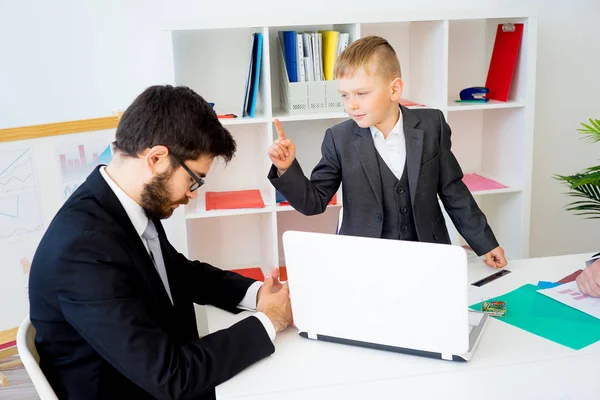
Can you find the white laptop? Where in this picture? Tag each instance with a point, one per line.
(394, 295)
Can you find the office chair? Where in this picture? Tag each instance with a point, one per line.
(339, 224)
(30, 358)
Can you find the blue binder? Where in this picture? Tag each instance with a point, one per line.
(256, 60)
(290, 52)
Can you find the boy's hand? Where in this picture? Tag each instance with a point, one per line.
(495, 258)
(283, 151)
(589, 280)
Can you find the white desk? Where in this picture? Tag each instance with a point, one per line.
(508, 363)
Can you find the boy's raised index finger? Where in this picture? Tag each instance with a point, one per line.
(279, 128)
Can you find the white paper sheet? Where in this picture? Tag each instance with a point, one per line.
(570, 295)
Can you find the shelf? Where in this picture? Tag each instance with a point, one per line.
(285, 116)
(233, 243)
(260, 119)
(496, 191)
(226, 213)
(496, 144)
(222, 79)
(290, 208)
(490, 105)
(470, 46)
(197, 209)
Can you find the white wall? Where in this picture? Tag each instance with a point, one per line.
(568, 84)
(76, 59)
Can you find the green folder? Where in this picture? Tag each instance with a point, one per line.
(543, 316)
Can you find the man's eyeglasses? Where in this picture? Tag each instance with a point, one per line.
(197, 180)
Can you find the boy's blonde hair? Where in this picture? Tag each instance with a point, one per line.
(369, 52)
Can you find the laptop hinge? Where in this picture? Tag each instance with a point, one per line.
(311, 335)
(447, 356)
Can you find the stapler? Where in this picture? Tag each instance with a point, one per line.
(468, 95)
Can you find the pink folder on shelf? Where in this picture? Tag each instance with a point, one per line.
(477, 183)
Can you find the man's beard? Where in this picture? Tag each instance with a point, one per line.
(156, 199)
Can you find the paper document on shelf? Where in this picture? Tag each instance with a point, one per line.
(570, 295)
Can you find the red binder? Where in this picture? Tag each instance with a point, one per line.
(504, 60)
(235, 199)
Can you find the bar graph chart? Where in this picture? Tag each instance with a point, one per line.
(82, 161)
(77, 160)
(573, 293)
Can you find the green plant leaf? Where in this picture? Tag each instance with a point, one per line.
(595, 123)
(591, 132)
(585, 186)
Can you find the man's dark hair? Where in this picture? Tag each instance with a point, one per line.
(176, 117)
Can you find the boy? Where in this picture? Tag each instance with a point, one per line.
(393, 162)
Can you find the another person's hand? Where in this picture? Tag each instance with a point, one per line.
(283, 151)
(275, 303)
(495, 258)
(589, 280)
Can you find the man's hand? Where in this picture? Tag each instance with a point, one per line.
(589, 280)
(495, 258)
(274, 302)
(283, 151)
(276, 284)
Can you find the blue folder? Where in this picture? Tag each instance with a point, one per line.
(256, 60)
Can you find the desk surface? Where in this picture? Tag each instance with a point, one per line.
(507, 361)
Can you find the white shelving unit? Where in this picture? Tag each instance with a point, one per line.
(439, 56)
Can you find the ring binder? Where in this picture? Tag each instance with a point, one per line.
(503, 61)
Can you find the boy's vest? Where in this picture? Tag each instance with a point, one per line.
(398, 221)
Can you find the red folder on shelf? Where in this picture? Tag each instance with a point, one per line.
(503, 61)
(252, 273)
(477, 182)
(257, 274)
(234, 199)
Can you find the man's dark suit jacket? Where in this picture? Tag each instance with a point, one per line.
(349, 157)
(106, 328)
